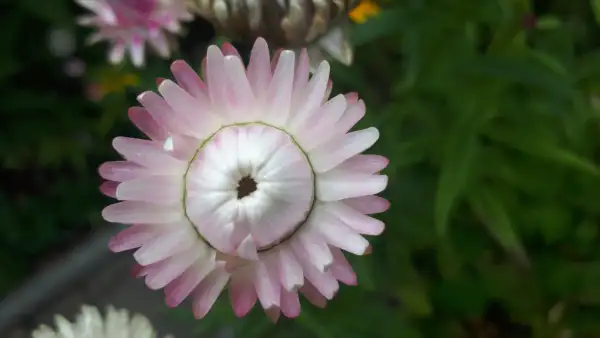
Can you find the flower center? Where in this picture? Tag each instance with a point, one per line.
(248, 182)
(246, 186)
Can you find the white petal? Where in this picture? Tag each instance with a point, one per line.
(259, 68)
(208, 291)
(267, 292)
(165, 190)
(337, 233)
(130, 212)
(290, 270)
(149, 155)
(337, 151)
(242, 96)
(199, 122)
(279, 95)
(319, 129)
(336, 185)
(311, 98)
(181, 237)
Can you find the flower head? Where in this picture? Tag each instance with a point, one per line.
(129, 24)
(250, 179)
(90, 324)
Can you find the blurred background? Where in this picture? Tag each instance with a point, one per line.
(489, 111)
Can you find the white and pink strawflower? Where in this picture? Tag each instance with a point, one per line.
(129, 24)
(250, 179)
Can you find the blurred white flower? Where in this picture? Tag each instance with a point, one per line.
(90, 324)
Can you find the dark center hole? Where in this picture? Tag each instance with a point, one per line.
(246, 186)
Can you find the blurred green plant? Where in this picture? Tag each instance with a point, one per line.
(489, 113)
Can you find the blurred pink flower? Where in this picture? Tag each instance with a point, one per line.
(129, 24)
(250, 179)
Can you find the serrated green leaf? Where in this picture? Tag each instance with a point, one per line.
(495, 218)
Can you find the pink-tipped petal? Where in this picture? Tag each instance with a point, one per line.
(163, 190)
(266, 290)
(351, 116)
(162, 113)
(133, 237)
(279, 94)
(228, 49)
(131, 212)
(144, 121)
(259, 68)
(109, 188)
(351, 98)
(184, 285)
(164, 272)
(311, 98)
(313, 295)
(290, 304)
(317, 130)
(368, 204)
(241, 95)
(189, 80)
(194, 113)
(273, 314)
(355, 219)
(166, 245)
(337, 233)
(242, 294)
(311, 249)
(368, 164)
(290, 270)
(337, 185)
(341, 269)
(208, 291)
(330, 155)
(148, 154)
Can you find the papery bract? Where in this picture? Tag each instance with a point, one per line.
(250, 179)
(129, 24)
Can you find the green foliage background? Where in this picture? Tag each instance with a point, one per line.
(488, 111)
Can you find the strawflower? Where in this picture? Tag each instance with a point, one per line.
(129, 24)
(90, 324)
(250, 179)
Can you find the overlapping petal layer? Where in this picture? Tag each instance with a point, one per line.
(129, 24)
(250, 180)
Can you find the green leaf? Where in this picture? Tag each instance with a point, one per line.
(495, 218)
(312, 324)
(596, 9)
(526, 71)
(523, 140)
(548, 22)
(415, 299)
(387, 22)
(458, 160)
